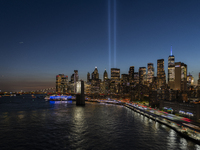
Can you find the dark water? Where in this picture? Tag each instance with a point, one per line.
(29, 125)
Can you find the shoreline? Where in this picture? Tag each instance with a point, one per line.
(179, 131)
(184, 133)
(177, 128)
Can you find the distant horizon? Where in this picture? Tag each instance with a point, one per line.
(85, 79)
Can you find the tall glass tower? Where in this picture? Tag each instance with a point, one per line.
(161, 73)
(131, 74)
(171, 70)
(105, 75)
(142, 75)
(150, 73)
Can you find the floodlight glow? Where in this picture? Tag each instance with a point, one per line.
(171, 50)
(78, 87)
(109, 36)
(115, 33)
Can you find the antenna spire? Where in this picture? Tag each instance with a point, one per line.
(171, 50)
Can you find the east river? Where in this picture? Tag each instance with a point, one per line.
(30, 124)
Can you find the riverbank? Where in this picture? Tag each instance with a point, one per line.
(184, 129)
(180, 129)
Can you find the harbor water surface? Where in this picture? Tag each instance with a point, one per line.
(27, 123)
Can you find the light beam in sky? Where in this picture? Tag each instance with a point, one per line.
(115, 33)
(171, 50)
(109, 37)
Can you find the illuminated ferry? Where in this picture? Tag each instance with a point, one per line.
(58, 98)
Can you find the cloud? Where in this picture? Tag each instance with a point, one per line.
(21, 42)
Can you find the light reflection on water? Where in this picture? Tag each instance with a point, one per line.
(183, 143)
(171, 139)
(62, 125)
(21, 115)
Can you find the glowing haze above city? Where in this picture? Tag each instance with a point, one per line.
(40, 39)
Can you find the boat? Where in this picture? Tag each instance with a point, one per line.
(58, 98)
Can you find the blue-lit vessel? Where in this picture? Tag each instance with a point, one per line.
(58, 97)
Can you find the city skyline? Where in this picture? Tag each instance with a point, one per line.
(42, 39)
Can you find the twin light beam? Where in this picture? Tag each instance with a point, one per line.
(114, 31)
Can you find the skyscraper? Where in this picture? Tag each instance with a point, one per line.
(142, 75)
(161, 73)
(131, 74)
(75, 75)
(115, 75)
(171, 70)
(95, 82)
(72, 78)
(105, 75)
(104, 86)
(124, 78)
(190, 80)
(124, 81)
(150, 72)
(115, 80)
(61, 83)
(95, 74)
(88, 77)
(180, 76)
(136, 78)
(75, 80)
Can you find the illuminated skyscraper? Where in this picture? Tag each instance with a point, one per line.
(115, 80)
(131, 74)
(136, 78)
(75, 80)
(142, 75)
(171, 70)
(95, 74)
(95, 82)
(106, 83)
(115, 75)
(75, 75)
(124, 83)
(190, 80)
(150, 73)
(61, 83)
(180, 76)
(105, 75)
(88, 77)
(161, 73)
(124, 78)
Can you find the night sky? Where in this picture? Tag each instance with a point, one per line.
(42, 38)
